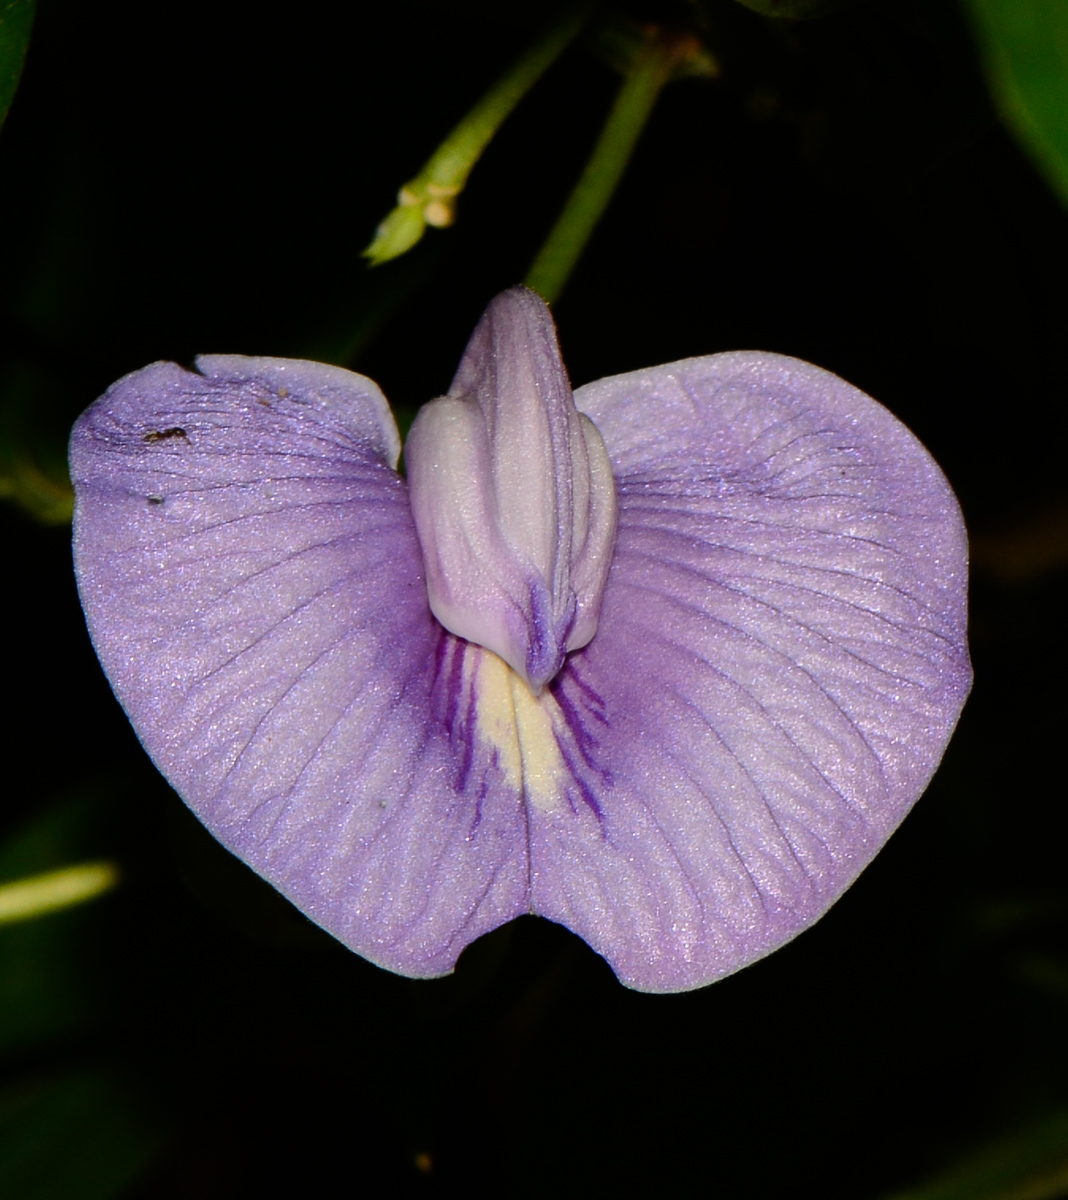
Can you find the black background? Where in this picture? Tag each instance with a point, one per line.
(177, 179)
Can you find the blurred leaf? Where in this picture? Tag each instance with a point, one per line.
(80, 1135)
(33, 466)
(46, 987)
(16, 21)
(35, 491)
(47, 982)
(1024, 47)
(795, 10)
(1030, 1165)
(58, 832)
(51, 891)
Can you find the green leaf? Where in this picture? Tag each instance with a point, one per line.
(49, 982)
(39, 493)
(52, 891)
(16, 21)
(33, 459)
(1024, 48)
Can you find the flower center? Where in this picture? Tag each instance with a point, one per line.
(513, 496)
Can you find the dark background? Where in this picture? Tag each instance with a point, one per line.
(177, 179)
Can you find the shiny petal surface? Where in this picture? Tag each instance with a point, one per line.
(253, 585)
(780, 662)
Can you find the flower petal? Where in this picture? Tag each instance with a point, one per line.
(780, 662)
(254, 588)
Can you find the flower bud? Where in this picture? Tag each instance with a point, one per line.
(513, 496)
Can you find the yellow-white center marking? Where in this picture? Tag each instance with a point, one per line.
(519, 726)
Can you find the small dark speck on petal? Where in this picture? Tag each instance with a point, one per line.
(163, 435)
(154, 498)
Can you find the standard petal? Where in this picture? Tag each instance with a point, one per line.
(780, 662)
(253, 585)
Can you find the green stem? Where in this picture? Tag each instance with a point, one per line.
(429, 198)
(451, 163)
(585, 206)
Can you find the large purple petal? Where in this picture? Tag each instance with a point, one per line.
(780, 662)
(253, 585)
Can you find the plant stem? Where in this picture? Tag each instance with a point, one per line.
(451, 163)
(430, 198)
(650, 70)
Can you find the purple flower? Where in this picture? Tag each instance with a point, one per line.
(718, 673)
